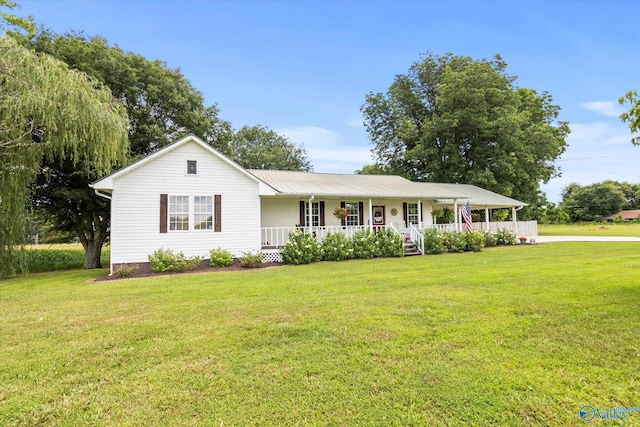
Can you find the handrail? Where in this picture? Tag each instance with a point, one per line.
(417, 237)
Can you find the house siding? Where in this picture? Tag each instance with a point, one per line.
(135, 221)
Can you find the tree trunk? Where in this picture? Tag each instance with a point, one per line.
(92, 251)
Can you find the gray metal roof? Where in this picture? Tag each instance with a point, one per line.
(331, 184)
(294, 183)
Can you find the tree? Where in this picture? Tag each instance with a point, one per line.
(588, 203)
(633, 115)
(48, 112)
(459, 120)
(162, 107)
(258, 147)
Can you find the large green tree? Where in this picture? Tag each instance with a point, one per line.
(590, 202)
(162, 107)
(632, 117)
(48, 112)
(258, 147)
(459, 120)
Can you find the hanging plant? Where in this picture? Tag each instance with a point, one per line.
(340, 213)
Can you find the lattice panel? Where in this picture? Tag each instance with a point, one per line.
(272, 257)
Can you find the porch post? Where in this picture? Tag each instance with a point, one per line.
(310, 214)
(486, 218)
(456, 213)
(515, 220)
(370, 216)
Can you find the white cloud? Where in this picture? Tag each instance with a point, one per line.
(606, 108)
(325, 149)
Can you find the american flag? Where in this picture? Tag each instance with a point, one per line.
(466, 215)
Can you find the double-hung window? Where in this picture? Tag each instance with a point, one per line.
(315, 213)
(412, 214)
(354, 213)
(186, 210)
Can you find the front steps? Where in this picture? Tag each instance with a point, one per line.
(410, 248)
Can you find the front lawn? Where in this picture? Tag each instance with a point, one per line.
(631, 229)
(509, 336)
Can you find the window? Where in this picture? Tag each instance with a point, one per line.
(203, 212)
(354, 213)
(178, 213)
(315, 213)
(412, 213)
(186, 209)
(192, 167)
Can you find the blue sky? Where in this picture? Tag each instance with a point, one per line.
(303, 68)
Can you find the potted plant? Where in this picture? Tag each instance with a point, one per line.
(522, 239)
(340, 213)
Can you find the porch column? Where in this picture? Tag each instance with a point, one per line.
(370, 216)
(515, 220)
(486, 218)
(456, 214)
(310, 214)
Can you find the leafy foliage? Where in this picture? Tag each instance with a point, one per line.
(251, 259)
(165, 260)
(434, 242)
(56, 257)
(590, 202)
(475, 241)
(365, 245)
(505, 237)
(220, 258)
(301, 248)
(337, 247)
(49, 112)
(632, 117)
(390, 244)
(456, 119)
(258, 147)
(126, 270)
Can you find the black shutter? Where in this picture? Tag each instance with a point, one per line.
(303, 214)
(405, 214)
(343, 221)
(164, 212)
(321, 214)
(361, 212)
(217, 213)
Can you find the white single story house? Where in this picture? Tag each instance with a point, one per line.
(190, 198)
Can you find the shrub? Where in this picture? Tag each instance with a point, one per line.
(336, 247)
(301, 248)
(390, 244)
(163, 260)
(505, 237)
(365, 245)
(475, 241)
(454, 241)
(434, 242)
(220, 258)
(251, 259)
(126, 270)
(490, 239)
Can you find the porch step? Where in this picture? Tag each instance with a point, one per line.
(410, 249)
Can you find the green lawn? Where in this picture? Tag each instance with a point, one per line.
(509, 336)
(590, 229)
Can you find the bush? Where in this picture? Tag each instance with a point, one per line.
(505, 237)
(220, 258)
(251, 259)
(475, 241)
(163, 260)
(490, 239)
(336, 247)
(365, 245)
(126, 270)
(301, 248)
(390, 244)
(434, 242)
(454, 241)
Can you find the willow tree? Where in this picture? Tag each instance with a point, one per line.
(48, 111)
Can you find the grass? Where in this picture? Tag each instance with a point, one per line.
(509, 336)
(591, 229)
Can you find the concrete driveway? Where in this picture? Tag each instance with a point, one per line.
(545, 239)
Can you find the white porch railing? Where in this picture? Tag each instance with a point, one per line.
(524, 228)
(417, 237)
(275, 237)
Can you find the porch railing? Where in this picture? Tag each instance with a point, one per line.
(275, 237)
(417, 237)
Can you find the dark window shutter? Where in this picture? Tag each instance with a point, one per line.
(405, 214)
(361, 212)
(343, 205)
(164, 212)
(217, 213)
(321, 214)
(303, 214)
(421, 212)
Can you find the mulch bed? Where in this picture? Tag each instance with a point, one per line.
(201, 269)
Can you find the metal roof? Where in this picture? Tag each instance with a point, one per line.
(331, 184)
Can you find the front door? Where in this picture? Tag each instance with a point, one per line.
(378, 217)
